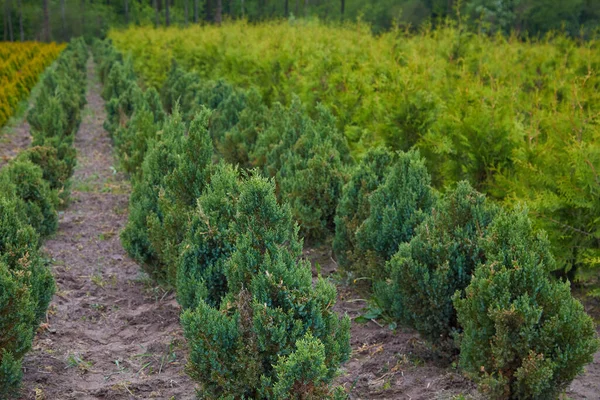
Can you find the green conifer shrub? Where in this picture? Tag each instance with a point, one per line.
(132, 139)
(239, 142)
(311, 181)
(209, 241)
(26, 287)
(353, 207)
(525, 336)
(55, 171)
(182, 187)
(239, 350)
(38, 199)
(183, 89)
(226, 113)
(397, 207)
(285, 126)
(438, 262)
(174, 174)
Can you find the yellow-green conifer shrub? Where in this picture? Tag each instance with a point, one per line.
(524, 335)
(252, 345)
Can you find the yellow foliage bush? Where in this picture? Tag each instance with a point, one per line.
(20, 67)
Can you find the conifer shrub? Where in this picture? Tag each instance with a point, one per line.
(182, 187)
(38, 199)
(311, 181)
(209, 241)
(239, 142)
(396, 208)
(26, 287)
(353, 207)
(132, 139)
(54, 170)
(308, 159)
(525, 336)
(438, 262)
(120, 107)
(174, 174)
(228, 105)
(251, 346)
(285, 125)
(183, 89)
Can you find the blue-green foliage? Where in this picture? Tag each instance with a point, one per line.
(209, 241)
(174, 174)
(354, 208)
(270, 305)
(397, 207)
(438, 261)
(524, 335)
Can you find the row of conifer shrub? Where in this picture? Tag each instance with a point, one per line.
(468, 275)
(20, 67)
(256, 324)
(33, 186)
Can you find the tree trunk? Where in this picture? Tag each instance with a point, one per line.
(21, 31)
(10, 25)
(243, 12)
(156, 20)
(208, 10)
(83, 16)
(195, 11)
(219, 12)
(305, 8)
(5, 20)
(127, 12)
(46, 21)
(185, 11)
(343, 9)
(297, 12)
(168, 17)
(287, 8)
(63, 19)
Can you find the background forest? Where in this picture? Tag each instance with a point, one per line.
(59, 20)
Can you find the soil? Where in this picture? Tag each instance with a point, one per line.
(14, 138)
(112, 334)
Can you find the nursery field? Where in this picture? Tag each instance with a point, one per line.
(520, 120)
(290, 210)
(20, 67)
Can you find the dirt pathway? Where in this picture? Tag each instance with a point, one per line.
(111, 333)
(14, 137)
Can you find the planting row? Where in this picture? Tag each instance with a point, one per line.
(518, 119)
(32, 187)
(20, 66)
(471, 277)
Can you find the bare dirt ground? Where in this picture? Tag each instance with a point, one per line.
(111, 334)
(398, 364)
(14, 137)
